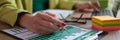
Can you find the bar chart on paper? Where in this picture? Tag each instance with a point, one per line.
(74, 33)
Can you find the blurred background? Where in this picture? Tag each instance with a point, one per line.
(39, 5)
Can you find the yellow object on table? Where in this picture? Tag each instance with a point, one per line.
(105, 23)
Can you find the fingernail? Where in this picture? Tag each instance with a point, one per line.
(64, 24)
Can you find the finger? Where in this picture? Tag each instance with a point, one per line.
(45, 30)
(94, 5)
(87, 5)
(34, 29)
(88, 10)
(42, 30)
(39, 29)
(62, 25)
(59, 26)
(47, 24)
(54, 20)
(49, 18)
(78, 5)
(44, 16)
(53, 15)
(84, 7)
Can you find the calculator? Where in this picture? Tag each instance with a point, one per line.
(72, 33)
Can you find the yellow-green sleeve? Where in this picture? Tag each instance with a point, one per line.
(53, 4)
(9, 11)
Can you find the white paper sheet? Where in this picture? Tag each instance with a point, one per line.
(57, 12)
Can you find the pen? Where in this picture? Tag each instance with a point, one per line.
(63, 23)
(64, 27)
(66, 30)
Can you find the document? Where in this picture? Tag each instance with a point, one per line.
(74, 33)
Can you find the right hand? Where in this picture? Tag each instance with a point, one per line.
(87, 7)
(42, 23)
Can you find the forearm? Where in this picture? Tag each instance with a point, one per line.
(9, 12)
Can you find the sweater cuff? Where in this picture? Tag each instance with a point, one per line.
(11, 17)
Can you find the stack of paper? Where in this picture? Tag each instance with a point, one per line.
(105, 23)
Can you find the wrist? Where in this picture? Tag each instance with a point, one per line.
(21, 18)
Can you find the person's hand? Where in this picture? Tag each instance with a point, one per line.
(42, 23)
(87, 7)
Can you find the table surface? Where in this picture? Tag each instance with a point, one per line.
(114, 35)
(4, 36)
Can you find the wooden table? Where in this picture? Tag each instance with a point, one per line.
(4, 36)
